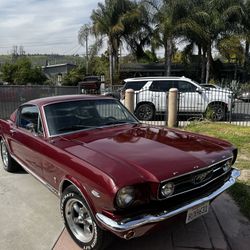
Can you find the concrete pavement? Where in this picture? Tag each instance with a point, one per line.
(30, 220)
(29, 213)
(223, 228)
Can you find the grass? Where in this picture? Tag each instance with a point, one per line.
(240, 137)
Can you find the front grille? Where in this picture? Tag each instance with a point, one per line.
(196, 180)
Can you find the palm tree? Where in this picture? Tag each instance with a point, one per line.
(167, 18)
(209, 21)
(83, 37)
(139, 35)
(246, 30)
(111, 19)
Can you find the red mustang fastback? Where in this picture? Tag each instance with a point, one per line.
(112, 173)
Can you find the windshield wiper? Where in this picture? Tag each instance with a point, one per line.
(74, 127)
(116, 122)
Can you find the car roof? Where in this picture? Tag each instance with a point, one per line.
(156, 78)
(54, 99)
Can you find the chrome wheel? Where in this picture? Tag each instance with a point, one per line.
(5, 154)
(79, 220)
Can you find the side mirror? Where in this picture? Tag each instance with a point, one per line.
(31, 127)
(199, 90)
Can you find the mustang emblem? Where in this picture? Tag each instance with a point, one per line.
(199, 178)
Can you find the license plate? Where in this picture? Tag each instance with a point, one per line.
(197, 211)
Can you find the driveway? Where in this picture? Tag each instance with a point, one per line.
(29, 213)
(30, 219)
(223, 228)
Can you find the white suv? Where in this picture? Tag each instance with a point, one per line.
(150, 97)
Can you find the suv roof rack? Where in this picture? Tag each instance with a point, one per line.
(155, 77)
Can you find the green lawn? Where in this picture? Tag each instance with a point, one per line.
(240, 137)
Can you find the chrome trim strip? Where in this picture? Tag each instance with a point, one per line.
(53, 190)
(132, 223)
(39, 116)
(195, 171)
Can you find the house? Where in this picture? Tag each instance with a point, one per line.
(57, 71)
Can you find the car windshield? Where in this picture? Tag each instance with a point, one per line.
(70, 116)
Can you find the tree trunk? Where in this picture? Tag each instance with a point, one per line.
(87, 56)
(203, 66)
(168, 56)
(246, 53)
(111, 64)
(209, 57)
(199, 61)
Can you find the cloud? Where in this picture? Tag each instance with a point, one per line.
(43, 26)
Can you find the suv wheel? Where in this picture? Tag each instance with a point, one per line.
(145, 112)
(216, 112)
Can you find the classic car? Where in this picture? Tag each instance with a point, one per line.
(113, 174)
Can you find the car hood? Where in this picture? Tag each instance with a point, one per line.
(219, 91)
(128, 153)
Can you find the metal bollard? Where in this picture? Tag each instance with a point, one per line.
(129, 100)
(172, 107)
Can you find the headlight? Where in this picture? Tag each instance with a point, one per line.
(227, 165)
(125, 197)
(167, 189)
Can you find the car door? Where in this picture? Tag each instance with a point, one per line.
(27, 138)
(158, 93)
(191, 100)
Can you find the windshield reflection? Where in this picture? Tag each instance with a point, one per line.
(70, 116)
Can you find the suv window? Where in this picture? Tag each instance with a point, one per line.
(161, 86)
(30, 115)
(134, 85)
(184, 86)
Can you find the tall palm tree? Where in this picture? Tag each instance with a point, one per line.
(138, 36)
(209, 21)
(167, 18)
(111, 19)
(246, 30)
(83, 38)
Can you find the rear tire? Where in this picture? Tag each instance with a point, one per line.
(216, 112)
(80, 222)
(9, 164)
(145, 112)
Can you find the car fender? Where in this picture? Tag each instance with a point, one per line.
(81, 188)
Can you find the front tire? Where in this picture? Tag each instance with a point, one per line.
(9, 164)
(80, 222)
(145, 112)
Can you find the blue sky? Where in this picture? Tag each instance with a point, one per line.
(43, 26)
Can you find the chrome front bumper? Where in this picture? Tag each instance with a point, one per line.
(132, 223)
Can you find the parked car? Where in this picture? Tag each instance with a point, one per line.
(114, 175)
(112, 92)
(245, 96)
(150, 97)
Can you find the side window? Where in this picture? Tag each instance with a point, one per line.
(161, 86)
(29, 119)
(184, 86)
(134, 85)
